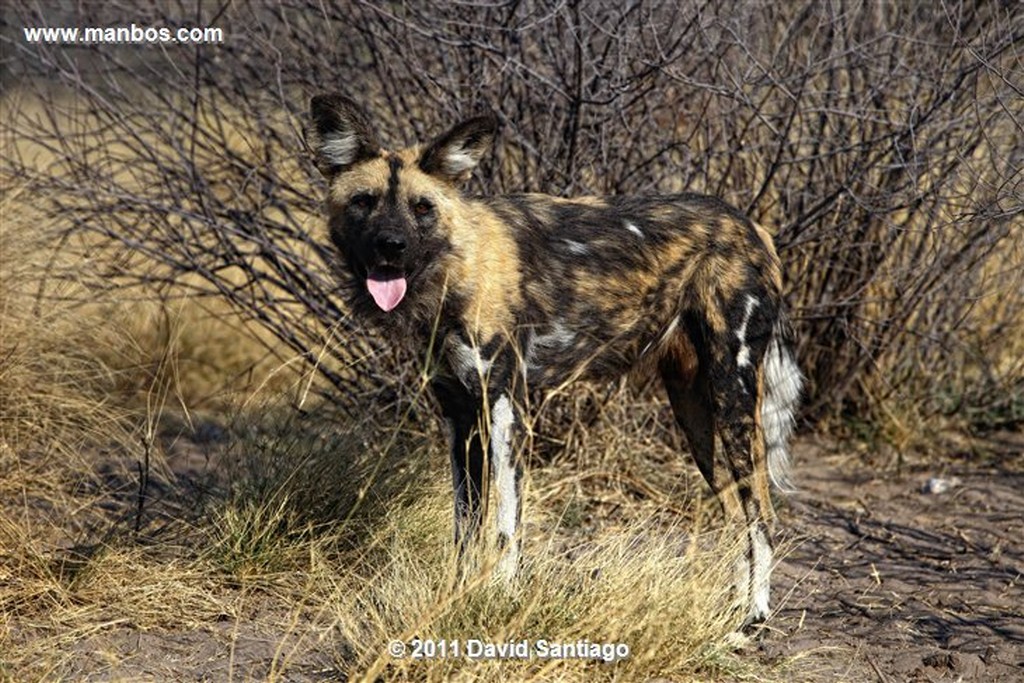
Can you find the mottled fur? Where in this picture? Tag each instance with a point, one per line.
(532, 291)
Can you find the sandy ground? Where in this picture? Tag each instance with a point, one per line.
(887, 580)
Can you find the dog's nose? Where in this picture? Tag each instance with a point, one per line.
(389, 245)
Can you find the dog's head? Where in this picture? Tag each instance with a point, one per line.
(391, 213)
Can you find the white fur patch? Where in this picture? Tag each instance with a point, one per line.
(459, 161)
(752, 574)
(577, 248)
(761, 573)
(504, 474)
(741, 581)
(635, 230)
(339, 149)
(557, 338)
(743, 357)
(782, 385)
(468, 363)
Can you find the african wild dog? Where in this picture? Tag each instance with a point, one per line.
(535, 291)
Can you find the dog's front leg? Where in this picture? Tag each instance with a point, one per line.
(507, 476)
(462, 411)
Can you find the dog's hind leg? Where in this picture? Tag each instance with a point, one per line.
(736, 371)
(711, 393)
(688, 387)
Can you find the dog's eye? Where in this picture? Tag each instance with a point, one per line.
(422, 208)
(363, 201)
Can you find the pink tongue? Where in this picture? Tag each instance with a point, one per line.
(387, 293)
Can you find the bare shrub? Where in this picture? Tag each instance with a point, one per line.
(880, 141)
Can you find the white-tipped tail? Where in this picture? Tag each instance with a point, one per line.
(782, 384)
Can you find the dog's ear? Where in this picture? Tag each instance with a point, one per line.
(339, 133)
(454, 155)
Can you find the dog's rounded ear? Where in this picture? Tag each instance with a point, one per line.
(339, 133)
(454, 155)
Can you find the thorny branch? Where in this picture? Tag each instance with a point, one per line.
(882, 141)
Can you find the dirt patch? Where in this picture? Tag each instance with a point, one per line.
(890, 578)
(225, 652)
